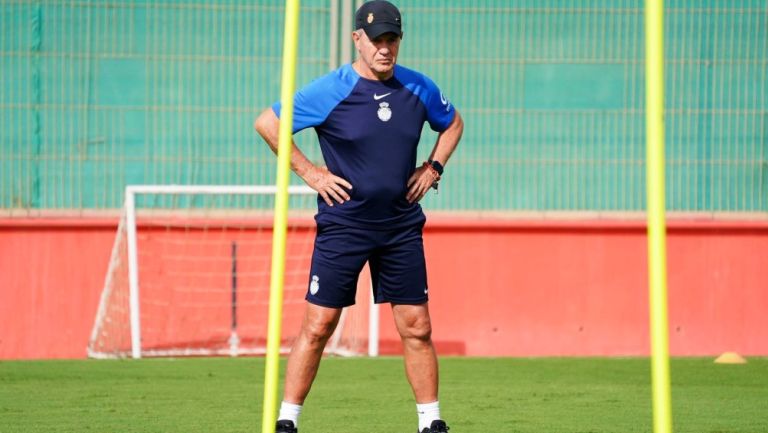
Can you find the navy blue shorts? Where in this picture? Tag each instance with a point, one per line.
(396, 258)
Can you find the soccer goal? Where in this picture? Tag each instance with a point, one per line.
(189, 276)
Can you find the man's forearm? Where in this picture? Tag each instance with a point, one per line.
(268, 126)
(332, 188)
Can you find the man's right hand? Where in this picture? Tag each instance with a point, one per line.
(330, 187)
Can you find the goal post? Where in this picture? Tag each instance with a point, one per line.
(189, 275)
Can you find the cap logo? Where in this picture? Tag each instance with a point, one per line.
(370, 17)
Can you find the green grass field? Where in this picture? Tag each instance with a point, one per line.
(539, 395)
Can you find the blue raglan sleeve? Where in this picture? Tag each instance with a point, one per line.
(440, 111)
(308, 109)
(314, 102)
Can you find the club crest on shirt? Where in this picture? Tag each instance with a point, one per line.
(385, 113)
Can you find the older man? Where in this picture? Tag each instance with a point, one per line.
(368, 116)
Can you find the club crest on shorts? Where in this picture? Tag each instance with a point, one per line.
(385, 113)
(314, 286)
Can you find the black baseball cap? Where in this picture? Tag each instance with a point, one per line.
(378, 17)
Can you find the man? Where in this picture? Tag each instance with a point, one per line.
(368, 116)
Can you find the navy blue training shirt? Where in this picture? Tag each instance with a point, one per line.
(369, 131)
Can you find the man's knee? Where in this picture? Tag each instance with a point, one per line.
(417, 328)
(318, 331)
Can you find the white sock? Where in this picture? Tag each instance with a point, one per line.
(290, 411)
(428, 412)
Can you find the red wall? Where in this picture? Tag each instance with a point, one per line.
(51, 276)
(498, 287)
(580, 288)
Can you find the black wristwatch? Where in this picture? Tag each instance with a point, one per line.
(437, 166)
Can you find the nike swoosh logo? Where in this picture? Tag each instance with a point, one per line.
(443, 99)
(377, 97)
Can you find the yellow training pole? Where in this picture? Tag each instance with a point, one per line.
(657, 254)
(272, 368)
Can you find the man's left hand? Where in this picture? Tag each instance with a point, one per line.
(420, 182)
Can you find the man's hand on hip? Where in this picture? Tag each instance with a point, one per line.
(424, 178)
(330, 187)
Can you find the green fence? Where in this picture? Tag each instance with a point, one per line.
(95, 95)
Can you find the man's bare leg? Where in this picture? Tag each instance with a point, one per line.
(304, 359)
(413, 324)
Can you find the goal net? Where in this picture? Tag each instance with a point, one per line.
(189, 275)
